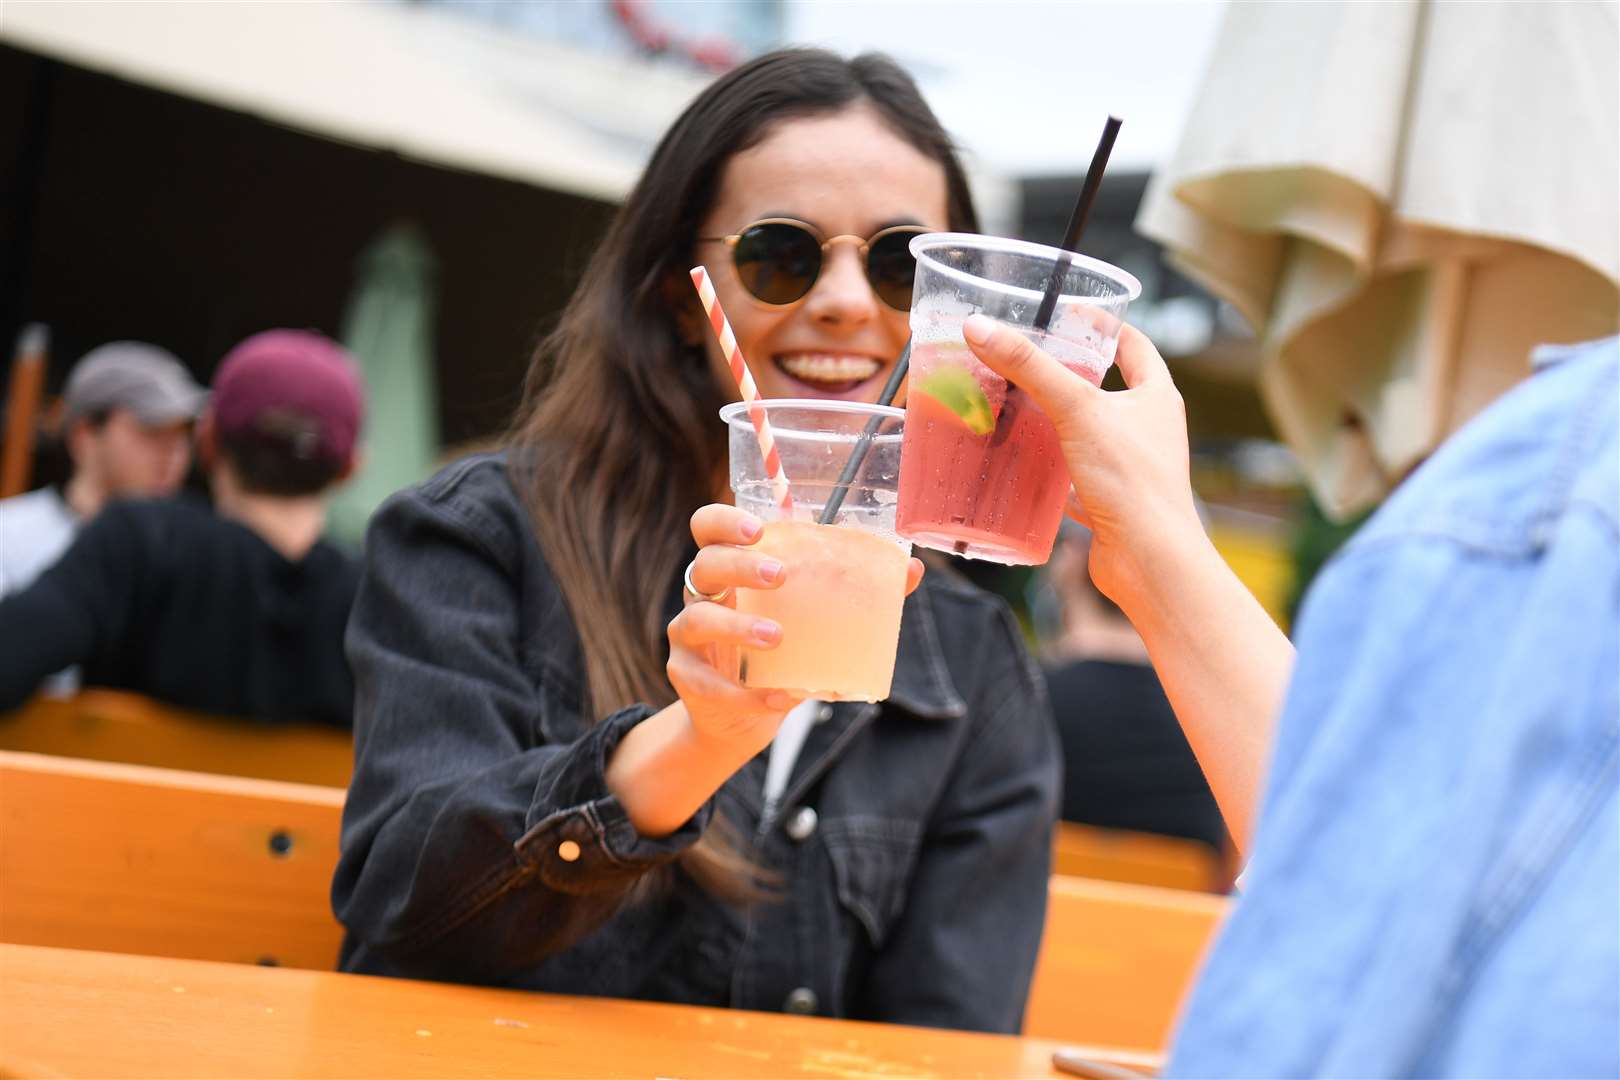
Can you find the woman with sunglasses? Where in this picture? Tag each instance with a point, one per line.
(554, 787)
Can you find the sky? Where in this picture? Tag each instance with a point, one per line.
(1027, 84)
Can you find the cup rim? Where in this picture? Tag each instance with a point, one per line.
(728, 413)
(921, 243)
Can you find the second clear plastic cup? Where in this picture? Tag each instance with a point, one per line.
(983, 476)
(839, 608)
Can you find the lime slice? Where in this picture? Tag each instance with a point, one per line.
(961, 393)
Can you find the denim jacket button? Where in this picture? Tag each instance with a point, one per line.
(568, 851)
(801, 824)
(801, 1002)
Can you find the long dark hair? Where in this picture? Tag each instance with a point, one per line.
(619, 413)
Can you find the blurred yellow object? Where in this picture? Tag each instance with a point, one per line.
(1258, 555)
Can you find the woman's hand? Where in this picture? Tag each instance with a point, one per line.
(704, 638)
(670, 763)
(1126, 451)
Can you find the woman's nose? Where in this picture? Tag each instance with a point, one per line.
(842, 295)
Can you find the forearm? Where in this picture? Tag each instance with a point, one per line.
(475, 875)
(1224, 665)
(40, 637)
(663, 770)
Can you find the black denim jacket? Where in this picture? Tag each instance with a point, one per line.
(913, 841)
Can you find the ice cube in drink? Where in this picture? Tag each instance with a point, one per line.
(839, 610)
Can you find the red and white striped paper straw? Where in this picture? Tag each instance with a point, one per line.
(745, 386)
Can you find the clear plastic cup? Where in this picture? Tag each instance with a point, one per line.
(981, 472)
(839, 607)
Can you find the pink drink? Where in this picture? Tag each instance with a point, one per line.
(980, 470)
(997, 496)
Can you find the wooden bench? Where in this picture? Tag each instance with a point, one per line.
(109, 725)
(1116, 961)
(1137, 857)
(125, 858)
(133, 859)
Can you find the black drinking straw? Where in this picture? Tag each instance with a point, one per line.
(857, 454)
(1077, 224)
(1043, 315)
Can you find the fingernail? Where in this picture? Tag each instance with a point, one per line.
(765, 632)
(977, 329)
(770, 570)
(751, 528)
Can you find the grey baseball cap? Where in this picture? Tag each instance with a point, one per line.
(148, 381)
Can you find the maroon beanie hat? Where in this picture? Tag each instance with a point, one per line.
(294, 388)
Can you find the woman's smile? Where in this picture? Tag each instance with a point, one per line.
(829, 373)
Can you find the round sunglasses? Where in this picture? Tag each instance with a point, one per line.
(778, 260)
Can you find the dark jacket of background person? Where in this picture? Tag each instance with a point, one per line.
(480, 844)
(166, 599)
(1126, 762)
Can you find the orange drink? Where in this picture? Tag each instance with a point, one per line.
(839, 606)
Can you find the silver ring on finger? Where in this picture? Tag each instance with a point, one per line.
(692, 590)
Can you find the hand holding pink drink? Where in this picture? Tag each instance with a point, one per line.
(1124, 451)
(981, 474)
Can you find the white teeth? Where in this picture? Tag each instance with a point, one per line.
(829, 367)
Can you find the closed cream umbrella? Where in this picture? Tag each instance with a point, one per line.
(1402, 199)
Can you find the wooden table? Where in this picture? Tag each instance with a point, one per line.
(68, 1013)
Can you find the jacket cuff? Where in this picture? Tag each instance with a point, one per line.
(585, 842)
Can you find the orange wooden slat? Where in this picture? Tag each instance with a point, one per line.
(1116, 961)
(84, 1014)
(132, 859)
(109, 725)
(1137, 857)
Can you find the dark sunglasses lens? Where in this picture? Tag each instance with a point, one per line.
(777, 262)
(892, 269)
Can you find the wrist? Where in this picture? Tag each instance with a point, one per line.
(1160, 574)
(722, 751)
(663, 770)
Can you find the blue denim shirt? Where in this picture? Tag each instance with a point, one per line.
(1435, 881)
(480, 842)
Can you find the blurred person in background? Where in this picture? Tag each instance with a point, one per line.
(1433, 853)
(556, 787)
(1126, 762)
(238, 610)
(127, 412)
